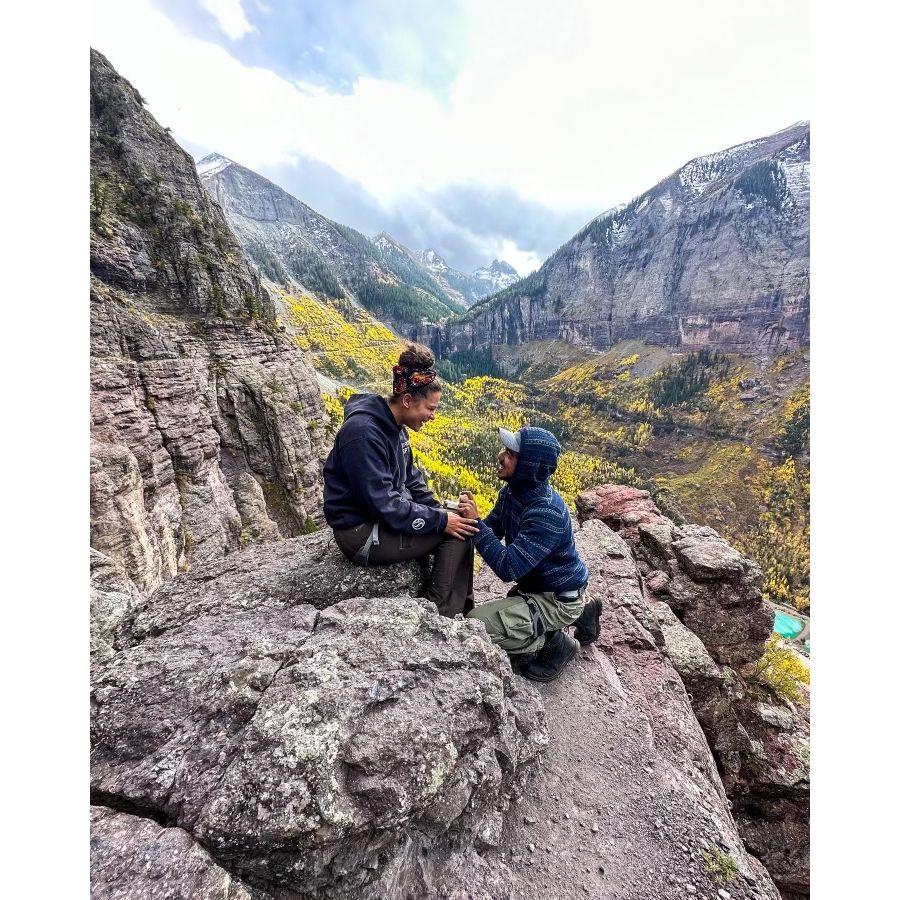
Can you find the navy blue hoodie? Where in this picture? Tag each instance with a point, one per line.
(540, 552)
(370, 476)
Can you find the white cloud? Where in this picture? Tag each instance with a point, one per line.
(573, 106)
(523, 261)
(230, 15)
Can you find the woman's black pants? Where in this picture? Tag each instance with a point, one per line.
(450, 584)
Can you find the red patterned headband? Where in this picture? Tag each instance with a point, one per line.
(408, 380)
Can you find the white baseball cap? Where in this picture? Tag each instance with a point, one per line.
(512, 440)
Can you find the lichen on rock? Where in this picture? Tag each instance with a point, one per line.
(310, 750)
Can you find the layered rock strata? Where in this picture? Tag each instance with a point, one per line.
(707, 600)
(207, 426)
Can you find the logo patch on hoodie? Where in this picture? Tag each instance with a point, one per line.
(418, 523)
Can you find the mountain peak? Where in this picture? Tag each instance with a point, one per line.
(383, 238)
(502, 267)
(498, 274)
(214, 162)
(432, 258)
(386, 242)
(704, 212)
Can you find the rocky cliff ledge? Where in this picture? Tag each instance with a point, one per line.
(309, 741)
(206, 423)
(706, 598)
(280, 723)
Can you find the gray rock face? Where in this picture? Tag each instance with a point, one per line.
(323, 752)
(702, 553)
(206, 423)
(716, 255)
(312, 743)
(295, 571)
(706, 598)
(113, 598)
(137, 859)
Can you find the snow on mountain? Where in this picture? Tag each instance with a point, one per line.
(297, 247)
(716, 256)
(213, 163)
(469, 288)
(498, 274)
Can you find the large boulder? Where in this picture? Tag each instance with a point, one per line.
(348, 752)
(619, 506)
(713, 589)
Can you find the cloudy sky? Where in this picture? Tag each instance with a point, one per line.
(481, 128)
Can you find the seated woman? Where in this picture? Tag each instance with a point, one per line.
(376, 500)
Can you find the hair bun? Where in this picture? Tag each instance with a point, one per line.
(416, 356)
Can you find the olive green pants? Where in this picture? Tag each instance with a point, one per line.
(514, 625)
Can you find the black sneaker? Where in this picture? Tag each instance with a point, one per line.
(552, 658)
(587, 625)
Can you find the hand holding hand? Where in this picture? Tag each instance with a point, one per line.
(459, 526)
(467, 506)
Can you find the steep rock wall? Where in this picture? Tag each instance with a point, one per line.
(206, 422)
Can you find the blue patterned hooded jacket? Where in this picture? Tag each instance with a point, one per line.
(539, 551)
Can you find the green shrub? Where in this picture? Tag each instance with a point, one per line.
(781, 670)
(720, 867)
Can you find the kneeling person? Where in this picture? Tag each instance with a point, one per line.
(539, 554)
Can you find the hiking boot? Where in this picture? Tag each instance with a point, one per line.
(519, 661)
(552, 658)
(587, 625)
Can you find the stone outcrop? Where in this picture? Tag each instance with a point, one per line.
(715, 591)
(207, 426)
(306, 741)
(291, 572)
(353, 751)
(706, 598)
(137, 859)
(716, 255)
